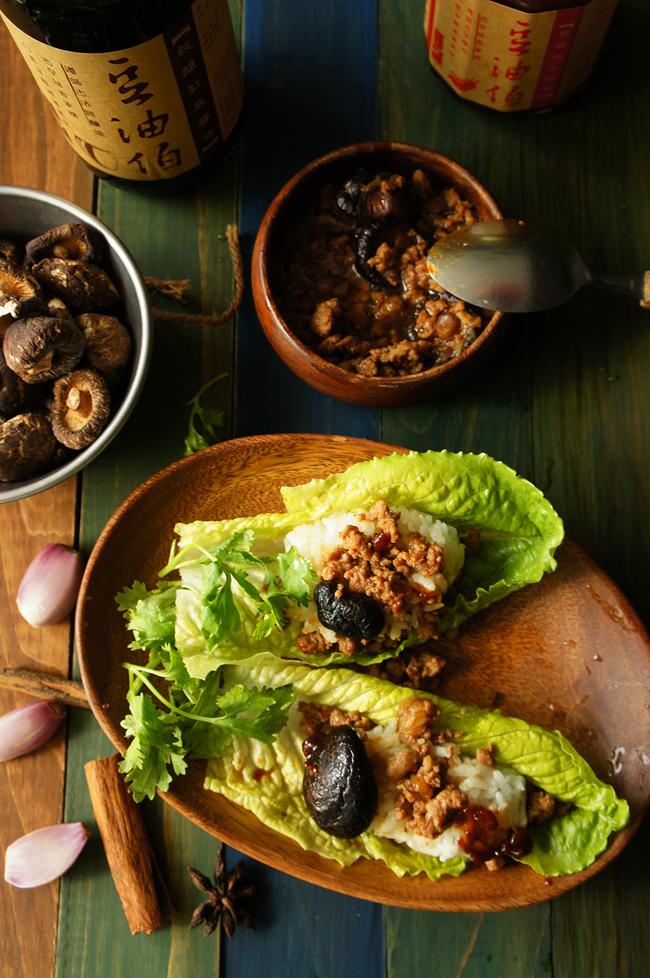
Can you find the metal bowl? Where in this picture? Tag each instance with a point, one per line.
(285, 220)
(26, 213)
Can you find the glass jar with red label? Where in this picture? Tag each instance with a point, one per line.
(515, 55)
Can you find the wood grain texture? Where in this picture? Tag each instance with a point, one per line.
(566, 403)
(33, 153)
(555, 654)
(278, 233)
(311, 76)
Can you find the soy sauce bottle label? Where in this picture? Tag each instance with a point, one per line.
(515, 55)
(152, 111)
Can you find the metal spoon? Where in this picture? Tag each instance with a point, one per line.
(517, 266)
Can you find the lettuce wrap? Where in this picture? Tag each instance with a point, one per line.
(565, 844)
(236, 582)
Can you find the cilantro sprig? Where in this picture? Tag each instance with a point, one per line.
(210, 418)
(174, 719)
(239, 586)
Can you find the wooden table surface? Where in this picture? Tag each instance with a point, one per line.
(566, 403)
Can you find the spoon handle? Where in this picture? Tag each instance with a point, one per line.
(638, 286)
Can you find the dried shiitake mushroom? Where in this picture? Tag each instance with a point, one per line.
(58, 309)
(20, 293)
(108, 344)
(10, 251)
(82, 406)
(69, 241)
(15, 395)
(42, 348)
(27, 444)
(61, 348)
(80, 284)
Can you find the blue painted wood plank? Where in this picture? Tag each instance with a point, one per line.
(311, 86)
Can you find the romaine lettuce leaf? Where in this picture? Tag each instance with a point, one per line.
(226, 612)
(519, 528)
(565, 844)
(519, 532)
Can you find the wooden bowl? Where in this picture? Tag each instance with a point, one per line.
(567, 654)
(281, 226)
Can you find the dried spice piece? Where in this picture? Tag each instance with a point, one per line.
(135, 871)
(225, 898)
(45, 686)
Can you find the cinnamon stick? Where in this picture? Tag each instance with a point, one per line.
(135, 872)
(45, 686)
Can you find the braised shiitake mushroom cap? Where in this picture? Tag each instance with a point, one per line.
(27, 444)
(68, 241)
(42, 348)
(82, 407)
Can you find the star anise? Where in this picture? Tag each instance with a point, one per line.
(225, 898)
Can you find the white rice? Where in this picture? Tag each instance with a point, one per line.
(503, 791)
(316, 541)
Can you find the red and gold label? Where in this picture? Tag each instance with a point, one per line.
(152, 111)
(509, 60)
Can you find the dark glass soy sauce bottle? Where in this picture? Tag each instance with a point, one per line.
(148, 92)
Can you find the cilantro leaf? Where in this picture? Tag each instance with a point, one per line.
(129, 597)
(210, 418)
(155, 744)
(297, 574)
(150, 615)
(197, 720)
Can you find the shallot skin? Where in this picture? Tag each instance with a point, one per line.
(27, 728)
(49, 588)
(45, 854)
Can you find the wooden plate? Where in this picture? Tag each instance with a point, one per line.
(568, 653)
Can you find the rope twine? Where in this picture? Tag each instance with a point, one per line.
(176, 289)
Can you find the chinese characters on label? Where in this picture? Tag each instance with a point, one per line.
(151, 111)
(495, 55)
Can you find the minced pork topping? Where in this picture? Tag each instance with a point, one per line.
(357, 288)
(400, 571)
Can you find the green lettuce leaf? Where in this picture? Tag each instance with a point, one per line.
(566, 844)
(229, 603)
(519, 532)
(519, 528)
